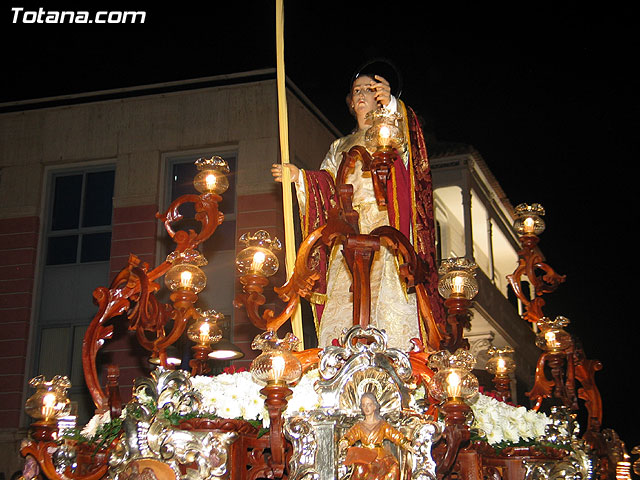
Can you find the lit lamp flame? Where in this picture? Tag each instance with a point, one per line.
(454, 385)
(385, 130)
(277, 363)
(501, 368)
(453, 381)
(529, 223)
(258, 261)
(212, 175)
(48, 406)
(552, 337)
(185, 273)
(185, 279)
(501, 364)
(205, 329)
(205, 338)
(210, 181)
(458, 285)
(384, 135)
(457, 278)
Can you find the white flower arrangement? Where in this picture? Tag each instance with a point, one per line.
(90, 429)
(234, 395)
(499, 422)
(304, 396)
(237, 395)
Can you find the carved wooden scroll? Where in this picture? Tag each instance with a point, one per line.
(132, 295)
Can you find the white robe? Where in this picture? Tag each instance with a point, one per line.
(392, 310)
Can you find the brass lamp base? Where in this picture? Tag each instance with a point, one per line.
(456, 411)
(44, 431)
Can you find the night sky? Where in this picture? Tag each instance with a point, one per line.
(546, 94)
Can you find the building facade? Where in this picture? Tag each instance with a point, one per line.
(82, 177)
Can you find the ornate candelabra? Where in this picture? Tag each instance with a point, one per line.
(458, 287)
(562, 354)
(132, 292)
(46, 405)
(157, 326)
(204, 331)
(278, 368)
(529, 224)
(452, 384)
(501, 365)
(384, 137)
(558, 354)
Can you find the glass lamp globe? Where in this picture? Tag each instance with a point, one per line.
(457, 278)
(50, 399)
(528, 219)
(212, 175)
(258, 258)
(501, 361)
(453, 379)
(551, 336)
(185, 274)
(204, 330)
(385, 131)
(276, 365)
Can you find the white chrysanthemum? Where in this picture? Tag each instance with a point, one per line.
(203, 385)
(229, 406)
(229, 379)
(495, 437)
(510, 430)
(304, 396)
(95, 423)
(253, 409)
(501, 422)
(230, 395)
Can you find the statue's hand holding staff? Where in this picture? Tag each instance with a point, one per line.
(276, 171)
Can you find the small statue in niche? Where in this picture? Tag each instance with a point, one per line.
(372, 460)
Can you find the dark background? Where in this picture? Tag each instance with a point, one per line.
(546, 94)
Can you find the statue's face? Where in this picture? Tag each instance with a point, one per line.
(363, 95)
(368, 406)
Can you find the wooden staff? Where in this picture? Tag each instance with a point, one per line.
(289, 235)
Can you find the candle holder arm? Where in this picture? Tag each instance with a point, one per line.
(131, 293)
